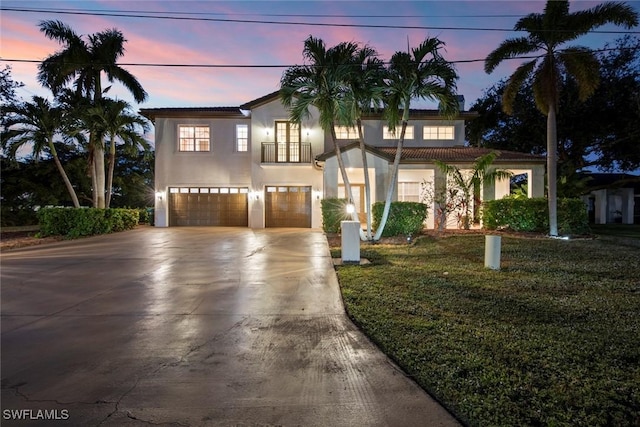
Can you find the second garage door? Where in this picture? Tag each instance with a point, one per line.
(288, 206)
(221, 206)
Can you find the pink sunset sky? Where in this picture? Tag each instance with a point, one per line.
(165, 41)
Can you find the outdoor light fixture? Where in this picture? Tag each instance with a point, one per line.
(351, 208)
(159, 195)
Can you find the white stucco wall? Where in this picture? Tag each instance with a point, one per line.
(221, 166)
(263, 120)
(373, 134)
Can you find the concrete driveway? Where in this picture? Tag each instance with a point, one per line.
(190, 327)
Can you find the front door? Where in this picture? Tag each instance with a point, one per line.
(358, 199)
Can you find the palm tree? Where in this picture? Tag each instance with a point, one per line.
(112, 120)
(36, 124)
(548, 32)
(83, 63)
(366, 83)
(322, 84)
(481, 174)
(420, 74)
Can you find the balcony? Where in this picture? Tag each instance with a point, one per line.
(286, 152)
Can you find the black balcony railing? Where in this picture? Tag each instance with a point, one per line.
(286, 152)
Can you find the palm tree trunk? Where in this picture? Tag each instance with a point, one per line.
(552, 142)
(345, 177)
(394, 177)
(92, 170)
(112, 161)
(100, 175)
(65, 178)
(367, 184)
(98, 190)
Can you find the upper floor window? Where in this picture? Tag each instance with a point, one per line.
(194, 138)
(438, 132)
(288, 141)
(386, 134)
(344, 132)
(242, 138)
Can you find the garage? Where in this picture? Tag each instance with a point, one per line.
(288, 206)
(200, 206)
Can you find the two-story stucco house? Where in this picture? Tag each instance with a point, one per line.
(250, 166)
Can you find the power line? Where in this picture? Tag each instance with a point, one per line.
(285, 15)
(313, 24)
(143, 64)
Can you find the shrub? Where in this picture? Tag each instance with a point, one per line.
(145, 216)
(405, 218)
(73, 223)
(520, 214)
(333, 211)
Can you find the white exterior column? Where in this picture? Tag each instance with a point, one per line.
(627, 205)
(536, 181)
(600, 206)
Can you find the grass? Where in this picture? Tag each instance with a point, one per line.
(618, 230)
(551, 339)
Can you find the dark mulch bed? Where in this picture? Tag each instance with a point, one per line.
(20, 239)
(334, 239)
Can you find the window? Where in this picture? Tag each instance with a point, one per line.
(438, 132)
(242, 138)
(288, 142)
(386, 134)
(344, 132)
(409, 192)
(193, 138)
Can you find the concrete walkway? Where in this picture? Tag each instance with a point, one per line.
(193, 327)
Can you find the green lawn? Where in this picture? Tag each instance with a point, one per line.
(617, 230)
(551, 339)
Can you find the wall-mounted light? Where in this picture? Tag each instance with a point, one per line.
(351, 208)
(317, 194)
(159, 195)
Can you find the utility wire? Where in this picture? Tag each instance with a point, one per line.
(143, 64)
(286, 15)
(313, 24)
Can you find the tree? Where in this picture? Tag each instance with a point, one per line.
(470, 182)
(365, 80)
(420, 74)
(523, 130)
(83, 63)
(36, 124)
(547, 32)
(322, 83)
(113, 120)
(133, 180)
(8, 87)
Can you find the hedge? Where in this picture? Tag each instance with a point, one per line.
(405, 218)
(71, 222)
(333, 211)
(533, 215)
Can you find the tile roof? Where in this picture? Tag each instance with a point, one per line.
(444, 154)
(260, 101)
(152, 113)
(457, 154)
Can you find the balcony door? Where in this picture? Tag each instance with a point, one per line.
(288, 142)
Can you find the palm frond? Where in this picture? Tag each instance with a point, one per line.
(545, 84)
(508, 49)
(618, 13)
(514, 83)
(582, 64)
